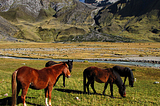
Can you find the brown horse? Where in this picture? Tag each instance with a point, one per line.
(25, 77)
(125, 72)
(103, 76)
(69, 63)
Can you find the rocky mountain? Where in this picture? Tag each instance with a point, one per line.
(54, 20)
(138, 19)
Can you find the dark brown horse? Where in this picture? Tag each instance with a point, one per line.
(25, 77)
(69, 63)
(103, 76)
(125, 72)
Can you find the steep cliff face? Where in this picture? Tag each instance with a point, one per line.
(23, 8)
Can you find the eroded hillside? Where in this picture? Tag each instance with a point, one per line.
(71, 20)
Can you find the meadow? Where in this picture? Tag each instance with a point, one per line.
(144, 92)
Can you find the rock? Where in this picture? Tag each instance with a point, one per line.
(156, 82)
(6, 94)
(77, 98)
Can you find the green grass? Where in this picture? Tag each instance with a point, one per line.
(143, 93)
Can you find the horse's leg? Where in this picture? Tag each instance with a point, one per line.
(90, 81)
(111, 89)
(84, 82)
(92, 85)
(88, 85)
(105, 86)
(46, 96)
(49, 92)
(63, 80)
(125, 79)
(24, 93)
(18, 90)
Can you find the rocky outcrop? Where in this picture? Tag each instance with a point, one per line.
(30, 7)
(7, 30)
(77, 13)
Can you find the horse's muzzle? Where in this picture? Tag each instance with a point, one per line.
(68, 76)
(124, 95)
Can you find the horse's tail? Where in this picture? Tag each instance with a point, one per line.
(84, 81)
(14, 88)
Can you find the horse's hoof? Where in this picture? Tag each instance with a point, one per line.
(95, 92)
(112, 97)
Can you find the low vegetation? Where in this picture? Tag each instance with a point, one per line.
(83, 50)
(144, 92)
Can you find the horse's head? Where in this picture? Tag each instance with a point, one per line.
(70, 64)
(122, 91)
(66, 71)
(131, 78)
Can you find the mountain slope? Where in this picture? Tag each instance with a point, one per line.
(7, 30)
(54, 20)
(137, 19)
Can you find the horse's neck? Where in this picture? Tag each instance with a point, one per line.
(57, 71)
(118, 80)
(130, 74)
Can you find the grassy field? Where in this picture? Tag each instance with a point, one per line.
(144, 92)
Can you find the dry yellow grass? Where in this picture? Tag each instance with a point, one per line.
(82, 50)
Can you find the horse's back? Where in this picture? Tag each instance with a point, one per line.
(100, 75)
(26, 71)
(121, 70)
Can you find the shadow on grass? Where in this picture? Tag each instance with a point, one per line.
(8, 101)
(81, 92)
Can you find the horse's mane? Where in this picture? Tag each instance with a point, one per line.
(112, 76)
(130, 71)
(65, 64)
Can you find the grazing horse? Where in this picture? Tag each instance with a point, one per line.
(103, 76)
(70, 65)
(125, 72)
(25, 77)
